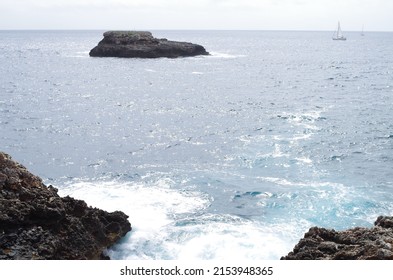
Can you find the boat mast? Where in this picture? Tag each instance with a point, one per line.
(339, 33)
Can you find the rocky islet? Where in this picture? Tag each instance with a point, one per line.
(142, 44)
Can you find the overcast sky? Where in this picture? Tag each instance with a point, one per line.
(376, 15)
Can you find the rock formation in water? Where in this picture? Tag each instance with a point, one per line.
(142, 44)
(374, 243)
(35, 223)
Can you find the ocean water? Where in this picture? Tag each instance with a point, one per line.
(230, 156)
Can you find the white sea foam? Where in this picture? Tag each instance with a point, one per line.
(277, 153)
(81, 54)
(314, 184)
(298, 137)
(305, 160)
(218, 237)
(238, 240)
(166, 224)
(225, 55)
(150, 207)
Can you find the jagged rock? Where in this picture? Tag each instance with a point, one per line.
(374, 243)
(142, 44)
(35, 223)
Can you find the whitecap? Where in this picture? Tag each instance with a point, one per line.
(218, 237)
(313, 184)
(225, 55)
(238, 240)
(151, 206)
(173, 224)
(304, 160)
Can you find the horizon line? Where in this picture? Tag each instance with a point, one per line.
(188, 29)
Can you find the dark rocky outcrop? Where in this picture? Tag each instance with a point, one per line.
(142, 44)
(35, 223)
(374, 243)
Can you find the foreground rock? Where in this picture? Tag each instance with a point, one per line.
(142, 44)
(35, 223)
(355, 244)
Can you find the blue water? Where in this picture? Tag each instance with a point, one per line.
(228, 156)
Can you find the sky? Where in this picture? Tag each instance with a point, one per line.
(374, 15)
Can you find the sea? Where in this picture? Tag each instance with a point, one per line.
(231, 156)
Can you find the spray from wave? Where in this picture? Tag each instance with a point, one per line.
(175, 224)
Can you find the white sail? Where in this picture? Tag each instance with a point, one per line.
(338, 35)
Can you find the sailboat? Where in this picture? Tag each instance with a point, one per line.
(338, 35)
(362, 34)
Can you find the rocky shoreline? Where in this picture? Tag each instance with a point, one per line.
(142, 44)
(36, 223)
(374, 243)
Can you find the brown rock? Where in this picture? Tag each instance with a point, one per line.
(374, 243)
(142, 44)
(35, 223)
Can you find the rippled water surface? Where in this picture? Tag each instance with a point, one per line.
(227, 156)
